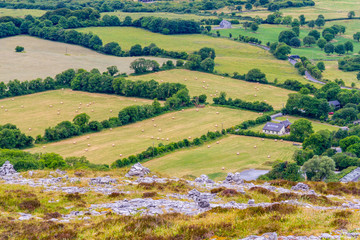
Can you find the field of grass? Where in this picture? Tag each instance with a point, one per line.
(231, 56)
(328, 8)
(43, 58)
(317, 126)
(332, 72)
(214, 84)
(38, 115)
(205, 160)
(269, 33)
(130, 139)
(137, 15)
(21, 12)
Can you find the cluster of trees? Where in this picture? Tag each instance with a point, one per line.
(23, 161)
(11, 137)
(250, 123)
(297, 86)
(305, 64)
(276, 5)
(8, 29)
(203, 60)
(241, 104)
(280, 50)
(161, 148)
(248, 39)
(349, 64)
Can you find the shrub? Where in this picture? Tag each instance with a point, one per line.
(19, 49)
(30, 205)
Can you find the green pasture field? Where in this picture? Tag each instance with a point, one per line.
(231, 56)
(40, 111)
(21, 12)
(214, 84)
(211, 160)
(43, 58)
(130, 139)
(137, 15)
(332, 72)
(328, 8)
(269, 33)
(317, 126)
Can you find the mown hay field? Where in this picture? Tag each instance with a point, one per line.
(40, 111)
(130, 139)
(137, 15)
(203, 83)
(231, 56)
(211, 158)
(43, 58)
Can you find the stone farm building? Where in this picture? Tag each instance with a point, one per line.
(225, 24)
(280, 128)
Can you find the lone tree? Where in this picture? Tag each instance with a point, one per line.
(321, 43)
(301, 129)
(19, 49)
(329, 48)
(318, 168)
(309, 40)
(358, 76)
(356, 36)
(351, 14)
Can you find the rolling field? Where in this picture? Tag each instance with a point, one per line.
(328, 8)
(231, 56)
(204, 160)
(43, 58)
(38, 115)
(317, 126)
(215, 84)
(137, 15)
(21, 12)
(130, 139)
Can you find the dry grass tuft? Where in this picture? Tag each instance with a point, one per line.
(149, 194)
(262, 191)
(229, 193)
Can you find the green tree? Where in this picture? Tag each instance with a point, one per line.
(321, 43)
(81, 119)
(321, 66)
(248, 6)
(295, 42)
(112, 70)
(19, 49)
(340, 49)
(358, 76)
(319, 142)
(319, 168)
(355, 149)
(315, 34)
(351, 14)
(311, 24)
(287, 20)
(207, 65)
(136, 50)
(301, 129)
(356, 36)
(286, 35)
(281, 51)
(254, 27)
(348, 141)
(255, 75)
(309, 40)
(349, 47)
(320, 21)
(302, 19)
(329, 48)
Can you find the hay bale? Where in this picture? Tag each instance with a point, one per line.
(89, 144)
(173, 118)
(2, 106)
(223, 168)
(92, 110)
(203, 81)
(189, 137)
(222, 77)
(210, 95)
(167, 139)
(12, 99)
(196, 78)
(237, 153)
(88, 137)
(80, 103)
(50, 106)
(22, 106)
(79, 107)
(110, 129)
(216, 125)
(61, 102)
(159, 129)
(217, 112)
(154, 125)
(215, 95)
(142, 130)
(182, 110)
(158, 138)
(152, 137)
(197, 109)
(269, 156)
(74, 142)
(208, 146)
(43, 146)
(76, 111)
(111, 111)
(113, 145)
(29, 129)
(255, 146)
(254, 95)
(162, 138)
(152, 119)
(216, 91)
(87, 105)
(6, 110)
(161, 80)
(185, 79)
(217, 142)
(135, 100)
(120, 155)
(86, 150)
(262, 139)
(275, 140)
(58, 113)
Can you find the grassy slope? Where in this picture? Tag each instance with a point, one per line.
(21, 12)
(332, 72)
(204, 160)
(52, 58)
(38, 115)
(317, 126)
(216, 84)
(328, 8)
(130, 139)
(231, 56)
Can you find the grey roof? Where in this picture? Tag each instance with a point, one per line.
(286, 123)
(275, 127)
(334, 103)
(225, 24)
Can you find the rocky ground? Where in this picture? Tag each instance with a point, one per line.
(171, 196)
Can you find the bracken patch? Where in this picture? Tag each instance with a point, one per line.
(30, 205)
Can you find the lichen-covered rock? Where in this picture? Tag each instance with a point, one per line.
(204, 179)
(102, 180)
(300, 187)
(202, 199)
(7, 169)
(137, 170)
(232, 178)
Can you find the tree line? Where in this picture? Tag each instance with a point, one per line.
(241, 104)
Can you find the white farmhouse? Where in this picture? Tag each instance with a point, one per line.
(274, 128)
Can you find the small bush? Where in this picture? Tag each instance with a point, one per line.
(30, 205)
(19, 49)
(149, 194)
(116, 195)
(217, 190)
(340, 223)
(343, 214)
(52, 215)
(73, 196)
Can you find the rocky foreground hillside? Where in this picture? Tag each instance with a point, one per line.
(136, 204)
